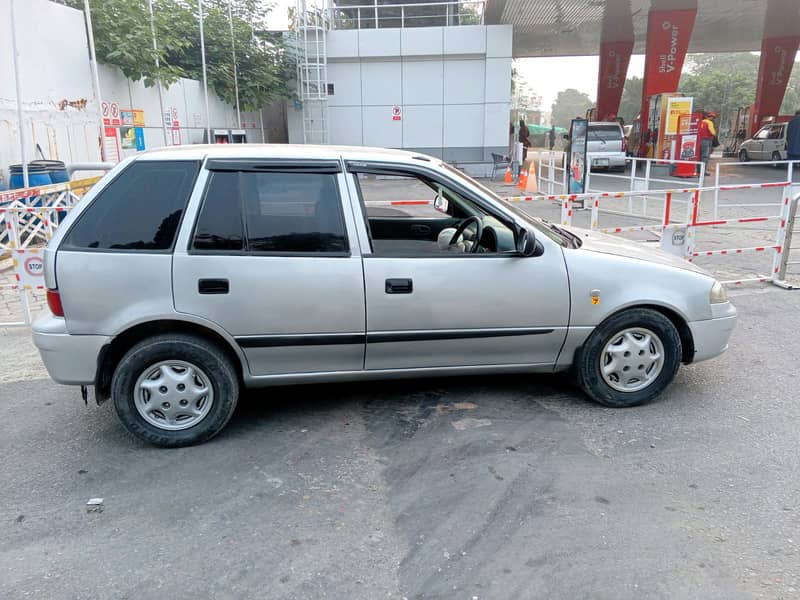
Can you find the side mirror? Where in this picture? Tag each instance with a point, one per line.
(526, 243)
(440, 203)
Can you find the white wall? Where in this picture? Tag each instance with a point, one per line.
(452, 83)
(54, 66)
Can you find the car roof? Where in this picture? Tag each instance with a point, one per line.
(301, 151)
(604, 123)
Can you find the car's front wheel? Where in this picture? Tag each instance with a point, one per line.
(630, 358)
(174, 390)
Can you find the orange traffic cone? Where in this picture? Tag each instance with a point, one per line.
(508, 178)
(523, 179)
(531, 184)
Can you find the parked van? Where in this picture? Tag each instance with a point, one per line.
(769, 143)
(606, 147)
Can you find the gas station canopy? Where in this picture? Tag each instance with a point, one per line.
(575, 27)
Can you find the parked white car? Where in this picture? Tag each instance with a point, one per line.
(606, 146)
(188, 273)
(769, 143)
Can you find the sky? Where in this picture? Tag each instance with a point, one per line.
(548, 76)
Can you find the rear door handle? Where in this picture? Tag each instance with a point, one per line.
(399, 286)
(213, 286)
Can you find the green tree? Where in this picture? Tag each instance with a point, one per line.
(570, 103)
(123, 39)
(631, 102)
(721, 82)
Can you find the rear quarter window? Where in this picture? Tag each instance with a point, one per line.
(140, 210)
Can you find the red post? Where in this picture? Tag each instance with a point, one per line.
(614, 60)
(778, 49)
(668, 35)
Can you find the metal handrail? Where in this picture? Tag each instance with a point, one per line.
(373, 16)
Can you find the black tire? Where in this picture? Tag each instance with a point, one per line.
(187, 348)
(588, 359)
(743, 156)
(776, 156)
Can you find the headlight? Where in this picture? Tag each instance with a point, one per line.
(718, 294)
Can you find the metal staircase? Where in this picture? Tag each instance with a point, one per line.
(312, 68)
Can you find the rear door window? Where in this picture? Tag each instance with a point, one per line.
(140, 210)
(274, 212)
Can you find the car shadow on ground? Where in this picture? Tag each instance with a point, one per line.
(493, 393)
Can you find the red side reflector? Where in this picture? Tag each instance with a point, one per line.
(54, 303)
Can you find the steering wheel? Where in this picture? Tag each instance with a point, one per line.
(463, 227)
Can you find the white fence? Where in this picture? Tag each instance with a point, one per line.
(28, 219)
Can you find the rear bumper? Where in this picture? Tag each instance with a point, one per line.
(69, 359)
(711, 336)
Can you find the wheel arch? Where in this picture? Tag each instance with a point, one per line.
(112, 353)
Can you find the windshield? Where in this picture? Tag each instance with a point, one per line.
(541, 225)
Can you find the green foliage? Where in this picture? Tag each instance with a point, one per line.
(123, 39)
(631, 102)
(721, 82)
(570, 103)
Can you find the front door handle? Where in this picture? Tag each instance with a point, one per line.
(399, 286)
(420, 230)
(213, 286)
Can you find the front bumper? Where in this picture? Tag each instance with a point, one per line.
(69, 359)
(711, 336)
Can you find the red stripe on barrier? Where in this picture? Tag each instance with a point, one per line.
(752, 219)
(704, 223)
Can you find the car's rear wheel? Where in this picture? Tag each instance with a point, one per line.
(174, 390)
(776, 157)
(630, 358)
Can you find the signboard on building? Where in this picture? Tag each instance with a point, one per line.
(115, 114)
(397, 113)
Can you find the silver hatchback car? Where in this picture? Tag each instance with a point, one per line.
(188, 273)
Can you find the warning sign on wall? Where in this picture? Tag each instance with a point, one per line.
(29, 268)
(397, 113)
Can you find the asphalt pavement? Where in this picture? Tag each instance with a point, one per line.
(491, 487)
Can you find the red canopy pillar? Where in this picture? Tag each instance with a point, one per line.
(779, 46)
(668, 34)
(616, 46)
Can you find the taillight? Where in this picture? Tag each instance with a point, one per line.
(54, 303)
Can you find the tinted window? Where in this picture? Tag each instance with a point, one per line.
(219, 226)
(139, 210)
(605, 132)
(283, 212)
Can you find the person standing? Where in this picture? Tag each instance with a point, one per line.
(706, 133)
(552, 137)
(793, 137)
(524, 138)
